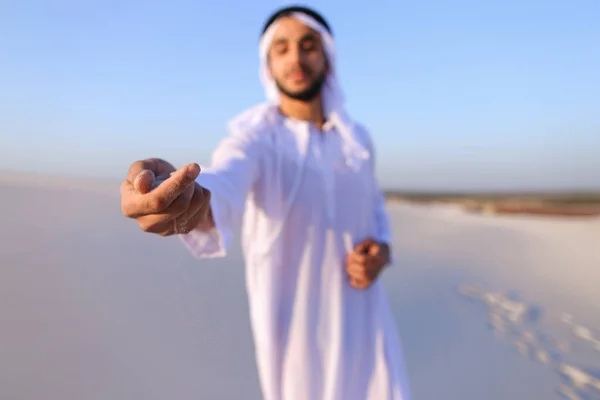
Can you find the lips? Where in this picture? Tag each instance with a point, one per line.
(297, 76)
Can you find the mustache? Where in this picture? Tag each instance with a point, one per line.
(299, 68)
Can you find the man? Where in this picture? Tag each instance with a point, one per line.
(298, 176)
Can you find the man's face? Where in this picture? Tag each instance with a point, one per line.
(297, 60)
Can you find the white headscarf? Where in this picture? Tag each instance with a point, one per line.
(331, 93)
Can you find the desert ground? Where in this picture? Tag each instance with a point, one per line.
(488, 306)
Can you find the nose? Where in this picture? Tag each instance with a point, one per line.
(294, 55)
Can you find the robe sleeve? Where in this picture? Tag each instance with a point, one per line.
(382, 219)
(230, 178)
(384, 231)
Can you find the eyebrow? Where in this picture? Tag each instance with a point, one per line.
(307, 36)
(279, 41)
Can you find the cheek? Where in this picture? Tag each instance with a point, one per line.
(318, 64)
(276, 68)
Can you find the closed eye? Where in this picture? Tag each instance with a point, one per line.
(309, 42)
(280, 46)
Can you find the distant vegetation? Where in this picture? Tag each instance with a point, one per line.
(565, 204)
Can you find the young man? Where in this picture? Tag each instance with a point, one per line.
(297, 174)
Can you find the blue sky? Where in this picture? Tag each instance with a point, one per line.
(458, 94)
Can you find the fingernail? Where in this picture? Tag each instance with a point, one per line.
(142, 174)
(192, 170)
(143, 181)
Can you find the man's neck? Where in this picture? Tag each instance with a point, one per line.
(311, 111)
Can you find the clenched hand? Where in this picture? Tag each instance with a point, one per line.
(365, 262)
(163, 200)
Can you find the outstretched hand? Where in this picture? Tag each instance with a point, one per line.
(164, 200)
(365, 262)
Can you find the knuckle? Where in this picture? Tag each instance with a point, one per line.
(136, 167)
(200, 197)
(123, 186)
(149, 226)
(125, 210)
(180, 205)
(186, 198)
(157, 203)
(177, 207)
(144, 226)
(128, 209)
(126, 206)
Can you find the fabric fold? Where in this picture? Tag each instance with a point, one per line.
(216, 241)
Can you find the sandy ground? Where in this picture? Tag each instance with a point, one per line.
(92, 308)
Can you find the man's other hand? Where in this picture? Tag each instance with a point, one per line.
(366, 261)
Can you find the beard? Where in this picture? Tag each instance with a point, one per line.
(308, 94)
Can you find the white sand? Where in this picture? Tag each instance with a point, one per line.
(92, 308)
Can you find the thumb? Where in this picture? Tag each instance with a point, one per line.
(178, 182)
(144, 181)
(374, 249)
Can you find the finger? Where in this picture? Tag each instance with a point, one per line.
(132, 202)
(144, 181)
(127, 191)
(205, 222)
(197, 212)
(139, 180)
(137, 167)
(156, 165)
(356, 271)
(195, 215)
(358, 258)
(360, 248)
(359, 283)
(181, 204)
(201, 199)
(369, 269)
(162, 197)
(182, 216)
(374, 249)
(203, 219)
(156, 223)
(166, 220)
(364, 245)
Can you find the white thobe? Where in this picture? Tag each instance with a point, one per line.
(301, 209)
